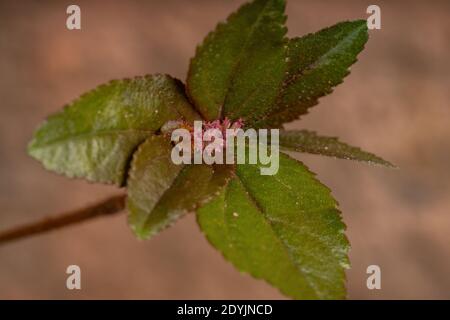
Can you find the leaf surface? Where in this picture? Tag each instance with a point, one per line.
(238, 69)
(310, 142)
(316, 63)
(160, 192)
(95, 136)
(284, 228)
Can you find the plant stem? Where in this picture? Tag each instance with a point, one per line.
(109, 206)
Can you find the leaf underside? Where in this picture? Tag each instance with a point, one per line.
(310, 142)
(285, 229)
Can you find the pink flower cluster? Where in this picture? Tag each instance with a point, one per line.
(223, 125)
(208, 134)
(203, 133)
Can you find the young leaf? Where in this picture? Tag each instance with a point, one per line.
(316, 63)
(310, 142)
(283, 228)
(237, 70)
(159, 192)
(95, 136)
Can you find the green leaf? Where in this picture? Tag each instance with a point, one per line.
(95, 136)
(284, 228)
(160, 192)
(238, 69)
(316, 63)
(310, 142)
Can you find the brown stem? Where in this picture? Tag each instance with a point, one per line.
(109, 206)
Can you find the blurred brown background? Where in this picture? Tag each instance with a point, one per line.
(395, 103)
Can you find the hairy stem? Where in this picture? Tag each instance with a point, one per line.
(109, 206)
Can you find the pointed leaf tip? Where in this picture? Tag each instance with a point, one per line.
(310, 142)
(316, 63)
